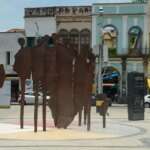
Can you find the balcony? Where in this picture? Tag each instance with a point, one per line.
(131, 53)
(134, 52)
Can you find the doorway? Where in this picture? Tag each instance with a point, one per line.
(14, 90)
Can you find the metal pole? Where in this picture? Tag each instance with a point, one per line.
(99, 47)
(36, 106)
(98, 72)
(100, 64)
(22, 103)
(100, 59)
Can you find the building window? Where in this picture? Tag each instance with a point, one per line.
(85, 38)
(7, 58)
(74, 37)
(64, 35)
(135, 39)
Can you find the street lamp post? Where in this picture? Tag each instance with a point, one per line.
(100, 55)
(99, 72)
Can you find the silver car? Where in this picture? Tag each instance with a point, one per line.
(30, 97)
(147, 100)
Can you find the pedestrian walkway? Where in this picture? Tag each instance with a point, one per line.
(113, 130)
(50, 134)
(119, 134)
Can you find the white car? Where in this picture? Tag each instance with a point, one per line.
(30, 98)
(147, 100)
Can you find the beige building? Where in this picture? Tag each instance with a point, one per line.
(71, 22)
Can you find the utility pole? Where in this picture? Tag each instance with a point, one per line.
(100, 55)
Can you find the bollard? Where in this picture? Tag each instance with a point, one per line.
(102, 106)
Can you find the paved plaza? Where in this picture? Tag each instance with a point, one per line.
(118, 134)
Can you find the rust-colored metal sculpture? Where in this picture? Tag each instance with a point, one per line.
(65, 101)
(2, 75)
(88, 86)
(50, 79)
(22, 66)
(79, 82)
(83, 79)
(51, 76)
(54, 74)
(44, 76)
(38, 76)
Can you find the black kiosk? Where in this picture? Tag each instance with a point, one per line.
(136, 91)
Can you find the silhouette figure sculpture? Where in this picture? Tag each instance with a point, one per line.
(22, 66)
(2, 75)
(54, 73)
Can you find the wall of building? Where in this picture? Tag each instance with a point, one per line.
(9, 43)
(123, 17)
(40, 26)
(74, 25)
(48, 20)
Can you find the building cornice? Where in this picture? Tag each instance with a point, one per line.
(74, 19)
(118, 14)
(58, 11)
(129, 3)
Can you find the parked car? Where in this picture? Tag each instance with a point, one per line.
(30, 97)
(147, 100)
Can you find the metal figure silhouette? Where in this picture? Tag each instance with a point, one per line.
(54, 73)
(22, 66)
(2, 75)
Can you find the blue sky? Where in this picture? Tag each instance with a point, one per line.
(12, 11)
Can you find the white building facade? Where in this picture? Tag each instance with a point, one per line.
(8, 48)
